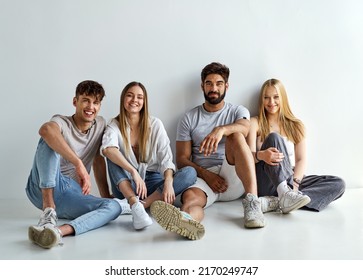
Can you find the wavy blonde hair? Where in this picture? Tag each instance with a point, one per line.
(143, 123)
(289, 124)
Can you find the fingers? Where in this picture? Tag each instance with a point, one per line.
(219, 187)
(275, 159)
(85, 186)
(86, 190)
(141, 191)
(209, 146)
(169, 198)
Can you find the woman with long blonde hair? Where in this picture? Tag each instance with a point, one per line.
(277, 141)
(139, 157)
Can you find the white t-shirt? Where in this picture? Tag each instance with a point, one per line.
(84, 145)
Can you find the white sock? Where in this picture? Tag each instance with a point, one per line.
(282, 188)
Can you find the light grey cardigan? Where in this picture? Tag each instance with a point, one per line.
(160, 157)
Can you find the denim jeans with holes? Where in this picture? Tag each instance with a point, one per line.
(86, 212)
(154, 181)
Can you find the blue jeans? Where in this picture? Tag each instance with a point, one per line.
(154, 181)
(86, 212)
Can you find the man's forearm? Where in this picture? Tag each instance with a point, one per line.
(100, 174)
(200, 170)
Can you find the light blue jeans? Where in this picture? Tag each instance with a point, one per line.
(86, 212)
(154, 181)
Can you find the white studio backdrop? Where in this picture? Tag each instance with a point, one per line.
(314, 47)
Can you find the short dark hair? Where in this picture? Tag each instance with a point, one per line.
(215, 68)
(92, 88)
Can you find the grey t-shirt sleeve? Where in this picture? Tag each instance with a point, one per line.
(183, 129)
(59, 119)
(242, 113)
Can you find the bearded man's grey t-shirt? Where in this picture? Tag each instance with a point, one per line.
(198, 123)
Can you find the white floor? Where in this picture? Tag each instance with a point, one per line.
(333, 234)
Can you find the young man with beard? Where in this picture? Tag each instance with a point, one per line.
(59, 182)
(212, 139)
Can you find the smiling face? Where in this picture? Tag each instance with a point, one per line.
(134, 100)
(87, 108)
(271, 100)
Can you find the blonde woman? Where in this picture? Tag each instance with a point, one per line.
(277, 141)
(139, 157)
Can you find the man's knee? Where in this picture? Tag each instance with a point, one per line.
(194, 197)
(235, 139)
(236, 145)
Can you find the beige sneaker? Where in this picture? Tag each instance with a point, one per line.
(172, 219)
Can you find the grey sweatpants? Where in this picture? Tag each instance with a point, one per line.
(322, 190)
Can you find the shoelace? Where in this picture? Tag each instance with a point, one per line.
(49, 217)
(273, 203)
(294, 194)
(254, 205)
(125, 208)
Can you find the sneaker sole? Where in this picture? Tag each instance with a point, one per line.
(45, 238)
(254, 224)
(298, 205)
(170, 218)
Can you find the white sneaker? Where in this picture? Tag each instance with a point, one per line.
(46, 234)
(269, 203)
(172, 219)
(125, 206)
(292, 200)
(140, 218)
(253, 216)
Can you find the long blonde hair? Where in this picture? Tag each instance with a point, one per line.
(143, 123)
(289, 124)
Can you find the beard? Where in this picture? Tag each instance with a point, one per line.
(213, 100)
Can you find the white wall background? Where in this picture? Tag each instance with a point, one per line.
(315, 47)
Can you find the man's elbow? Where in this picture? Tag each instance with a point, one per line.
(45, 130)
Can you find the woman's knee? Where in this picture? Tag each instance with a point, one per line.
(274, 137)
(189, 175)
(273, 140)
